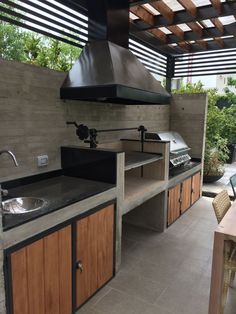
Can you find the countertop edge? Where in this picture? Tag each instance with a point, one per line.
(179, 178)
(43, 223)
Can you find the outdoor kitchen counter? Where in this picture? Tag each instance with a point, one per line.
(67, 198)
(197, 166)
(58, 192)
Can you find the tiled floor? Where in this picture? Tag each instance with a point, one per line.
(166, 273)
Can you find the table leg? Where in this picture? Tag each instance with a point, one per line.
(217, 274)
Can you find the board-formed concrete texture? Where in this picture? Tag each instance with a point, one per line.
(33, 118)
(33, 123)
(188, 117)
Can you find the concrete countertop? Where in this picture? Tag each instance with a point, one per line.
(58, 192)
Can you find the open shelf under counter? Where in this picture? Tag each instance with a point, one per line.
(139, 190)
(137, 159)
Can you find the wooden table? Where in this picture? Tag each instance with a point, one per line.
(226, 230)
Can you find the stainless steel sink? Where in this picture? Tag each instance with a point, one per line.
(22, 205)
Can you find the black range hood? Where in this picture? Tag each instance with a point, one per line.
(106, 70)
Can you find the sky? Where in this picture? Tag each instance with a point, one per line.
(208, 81)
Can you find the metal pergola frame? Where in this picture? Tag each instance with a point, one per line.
(157, 39)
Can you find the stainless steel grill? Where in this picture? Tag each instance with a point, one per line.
(178, 148)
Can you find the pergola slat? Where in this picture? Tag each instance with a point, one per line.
(199, 70)
(230, 65)
(207, 73)
(42, 24)
(35, 14)
(207, 61)
(40, 31)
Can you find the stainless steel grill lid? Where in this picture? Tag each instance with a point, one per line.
(177, 143)
(178, 148)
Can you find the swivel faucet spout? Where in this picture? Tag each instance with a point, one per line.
(10, 154)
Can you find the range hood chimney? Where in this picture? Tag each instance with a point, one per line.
(106, 70)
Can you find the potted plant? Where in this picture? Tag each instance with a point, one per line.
(216, 153)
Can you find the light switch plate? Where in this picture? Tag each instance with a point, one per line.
(42, 160)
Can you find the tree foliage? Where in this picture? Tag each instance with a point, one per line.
(221, 126)
(231, 81)
(190, 88)
(11, 42)
(20, 45)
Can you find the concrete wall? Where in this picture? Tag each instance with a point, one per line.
(33, 122)
(33, 118)
(188, 117)
(2, 288)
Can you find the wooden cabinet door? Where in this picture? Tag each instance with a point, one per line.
(196, 184)
(94, 254)
(41, 275)
(105, 245)
(186, 195)
(173, 204)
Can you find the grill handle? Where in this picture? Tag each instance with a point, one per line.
(181, 151)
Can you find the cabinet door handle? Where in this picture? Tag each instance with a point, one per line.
(79, 266)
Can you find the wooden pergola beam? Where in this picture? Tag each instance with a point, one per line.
(218, 25)
(196, 28)
(217, 5)
(211, 32)
(220, 42)
(170, 46)
(148, 18)
(161, 7)
(203, 13)
(177, 31)
(143, 14)
(189, 6)
(158, 34)
(202, 43)
(187, 47)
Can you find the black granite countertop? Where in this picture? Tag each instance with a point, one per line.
(58, 192)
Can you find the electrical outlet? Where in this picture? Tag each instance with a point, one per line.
(42, 160)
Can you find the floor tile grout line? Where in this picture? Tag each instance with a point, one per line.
(99, 299)
(140, 299)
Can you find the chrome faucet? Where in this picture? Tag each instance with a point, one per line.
(5, 192)
(10, 154)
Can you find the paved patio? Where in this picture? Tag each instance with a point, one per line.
(211, 189)
(167, 273)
